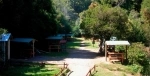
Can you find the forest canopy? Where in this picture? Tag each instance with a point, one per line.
(28, 18)
(126, 19)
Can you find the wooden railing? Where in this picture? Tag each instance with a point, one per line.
(115, 56)
(54, 47)
(91, 70)
(65, 66)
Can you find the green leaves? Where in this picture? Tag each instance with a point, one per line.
(137, 55)
(30, 18)
(2, 30)
(104, 20)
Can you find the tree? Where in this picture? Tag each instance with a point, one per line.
(28, 18)
(145, 15)
(136, 33)
(80, 5)
(68, 11)
(132, 5)
(2, 30)
(105, 21)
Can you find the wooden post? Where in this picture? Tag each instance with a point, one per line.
(33, 47)
(64, 64)
(126, 51)
(4, 49)
(94, 67)
(90, 72)
(106, 52)
(8, 49)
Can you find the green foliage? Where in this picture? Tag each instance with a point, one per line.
(134, 69)
(30, 70)
(137, 55)
(145, 10)
(120, 48)
(146, 34)
(30, 18)
(2, 30)
(80, 5)
(136, 33)
(64, 7)
(75, 44)
(76, 30)
(145, 15)
(63, 26)
(132, 5)
(104, 20)
(136, 52)
(119, 68)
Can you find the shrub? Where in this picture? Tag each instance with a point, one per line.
(119, 48)
(2, 30)
(137, 55)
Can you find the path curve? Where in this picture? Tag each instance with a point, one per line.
(84, 59)
(80, 60)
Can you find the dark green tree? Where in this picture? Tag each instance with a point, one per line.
(104, 20)
(136, 32)
(145, 16)
(80, 5)
(132, 5)
(29, 18)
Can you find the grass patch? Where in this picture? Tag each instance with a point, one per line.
(30, 70)
(75, 43)
(105, 72)
(90, 45)
(117, 69)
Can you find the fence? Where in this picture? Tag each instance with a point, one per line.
(65, 66)
(91, 70)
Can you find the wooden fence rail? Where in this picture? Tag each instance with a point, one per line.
(65, 66)
(91, 70)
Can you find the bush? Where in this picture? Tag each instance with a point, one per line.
(137, 55)
(119, 48)
(2, 30)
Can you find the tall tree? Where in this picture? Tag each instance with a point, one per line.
(104, 20)
(132, 5)
(136, 32)
(28, 18)
(68, 11)
(145, 13)
(80, 5)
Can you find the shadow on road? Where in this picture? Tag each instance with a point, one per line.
(81, 53)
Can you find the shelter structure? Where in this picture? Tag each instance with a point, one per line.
(111, 54)
(69, 36)
(66, 36)
(25, 46)
(56, 42)
(5, 47)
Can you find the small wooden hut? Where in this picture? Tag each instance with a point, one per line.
(23, 46)
(115, 56)
(5, 47)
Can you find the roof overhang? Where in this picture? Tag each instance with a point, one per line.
(5, 37)
(55, 37)
(23, 40)
(117, 43)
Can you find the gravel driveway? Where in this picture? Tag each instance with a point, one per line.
(79, 60)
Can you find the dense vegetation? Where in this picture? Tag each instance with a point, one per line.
(37, 18)
(126, 19)
(28, 18)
